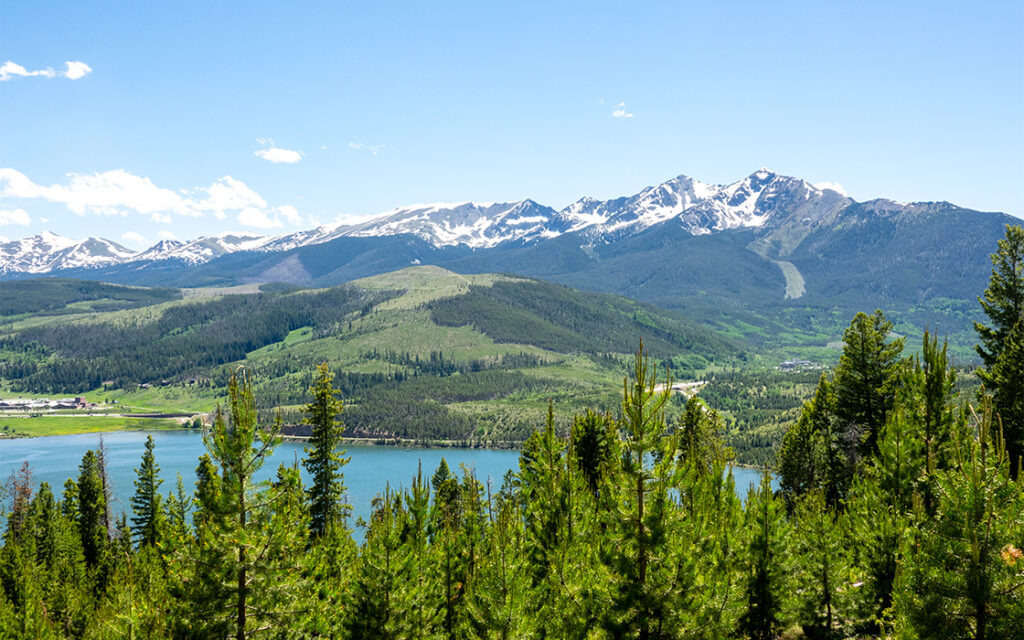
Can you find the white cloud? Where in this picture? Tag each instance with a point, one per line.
(12, 69)
(276, 154)
(167, 235)
(15, 216)
(834, 186)
(290, 213)
(76, 69)
(73, 70)
(133, 237)
(121, 193)
(620, 111)
(267, 218)
(372, 148)
(258, 218)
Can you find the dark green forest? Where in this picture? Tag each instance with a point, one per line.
(558, 318)
(184, 339)
(900, 514)
(53, 294)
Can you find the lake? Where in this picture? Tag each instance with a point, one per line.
(55, 459)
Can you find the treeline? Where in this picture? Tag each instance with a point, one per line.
(184, 338)
(900, 515)
(761, 404)
(53, 294)
(616, 528)
(561, 319)
(437, 364)
(414, 408)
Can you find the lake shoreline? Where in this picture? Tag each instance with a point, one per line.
(357, 441)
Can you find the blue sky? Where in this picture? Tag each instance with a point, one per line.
(167, 119)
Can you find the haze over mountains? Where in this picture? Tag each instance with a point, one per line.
(771, 245)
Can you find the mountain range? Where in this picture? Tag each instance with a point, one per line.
(769, 251)
(697, 207)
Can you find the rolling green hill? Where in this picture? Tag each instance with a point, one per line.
(422, 353)
(54, 295)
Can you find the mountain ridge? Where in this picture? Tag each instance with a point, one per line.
(701, 208)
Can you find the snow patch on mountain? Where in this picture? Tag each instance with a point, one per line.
(700, 208)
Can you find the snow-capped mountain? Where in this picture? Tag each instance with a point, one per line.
(700, 208)
(761, 199)
(202, 249)
(50, 252)
(474, 224)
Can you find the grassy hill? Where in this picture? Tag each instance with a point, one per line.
(422, 353)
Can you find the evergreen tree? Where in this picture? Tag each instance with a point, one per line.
(816, 452)
(91, 509)
(699, 441)
(965, 570)
(765, 563)
(1003, 300)
(820, 565)
(865, 380)
(208, 494)
(879, 515)
(1007, 382)
(44, 518)
(177, 514)
(796, 460)
(931, 387)
(147, 503)
(641, 514)
(594, 442)
(249, 540)
(323, 462)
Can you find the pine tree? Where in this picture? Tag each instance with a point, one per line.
(594, 443)
(44, 517)
(765, 563)
(177, 514)
(965, 569)
(376, 608)
(865, 380)
(879, 510)
(244, 578)
(147, 503)
(1007, 382)
(92, 508)
(323, 462)
(208, 494)
(820, 564)
(816, 452)
(500, 603)
(1003, 300)
(641, 514)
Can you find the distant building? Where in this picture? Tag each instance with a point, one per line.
(798, 365)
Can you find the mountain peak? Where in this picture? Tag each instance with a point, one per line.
(698, 207)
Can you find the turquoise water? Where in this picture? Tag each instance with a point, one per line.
(55, 459)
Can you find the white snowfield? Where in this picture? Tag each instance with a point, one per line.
(700, 208)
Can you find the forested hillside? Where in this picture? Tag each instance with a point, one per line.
(900, 513)
(610, 528)
(421, 354)
(53, 295)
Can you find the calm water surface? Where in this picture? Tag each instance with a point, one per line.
(55, 459)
